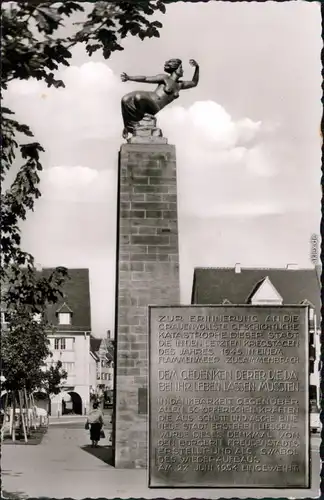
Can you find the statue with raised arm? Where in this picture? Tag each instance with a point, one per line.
(145, 104)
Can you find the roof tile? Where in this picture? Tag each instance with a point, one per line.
(76, 292)
(214, 285)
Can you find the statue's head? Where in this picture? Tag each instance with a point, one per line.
(173, 65)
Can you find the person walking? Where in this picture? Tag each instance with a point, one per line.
(95, 422)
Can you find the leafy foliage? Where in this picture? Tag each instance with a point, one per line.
(24, 342)
(53, 377)
(33, 48)
(36, 53)
(24, 350)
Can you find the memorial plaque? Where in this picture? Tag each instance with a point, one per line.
(228, 396)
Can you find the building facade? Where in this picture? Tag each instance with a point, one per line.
(70, 343)
(104, 350)
(255, 286)
(94, 361)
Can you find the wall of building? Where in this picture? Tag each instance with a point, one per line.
(291, 285)
(76, 361)
(93, 367)
(105, 374)
(314, 379)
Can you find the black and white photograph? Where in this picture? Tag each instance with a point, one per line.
(161, 249)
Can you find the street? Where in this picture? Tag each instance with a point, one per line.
(65, 465)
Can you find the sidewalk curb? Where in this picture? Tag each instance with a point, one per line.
(63, 423)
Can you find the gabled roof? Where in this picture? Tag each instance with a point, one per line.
(307, 303)
(107, 348)
(95, 344)
(213, 285)
(94, 355)
(264, 285)
(64, 308)
(110, 354)
(76, 292)
(255, 289)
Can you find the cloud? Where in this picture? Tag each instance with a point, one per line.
(210, 123)
(230, 171)
(248, 209)
(88, 106)
(222, 162)
(78, 184)
(83, 123)
(259, 162)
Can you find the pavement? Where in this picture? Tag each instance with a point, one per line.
(65, 466)
(67, 419)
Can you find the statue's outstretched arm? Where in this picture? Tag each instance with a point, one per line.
(195, 79)
(143, 79)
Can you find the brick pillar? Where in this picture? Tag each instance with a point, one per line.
(147, 273)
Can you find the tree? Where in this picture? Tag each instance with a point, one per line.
(24, 351)
(53, 377)
(32, 48)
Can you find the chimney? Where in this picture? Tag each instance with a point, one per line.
(292, 267)
(237, 268)
(108, 334)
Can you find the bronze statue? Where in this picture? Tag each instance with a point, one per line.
(139, 104)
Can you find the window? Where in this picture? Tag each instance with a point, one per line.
(68, 367)
(313, 393)
(64, 318)
(266, 293)
(98, 376)
(311, 314)
(59, 344)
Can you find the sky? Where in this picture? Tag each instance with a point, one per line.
(247, 141)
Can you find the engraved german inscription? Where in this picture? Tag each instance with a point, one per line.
(229, 396)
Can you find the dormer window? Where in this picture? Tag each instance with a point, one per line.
(226, 302)
(64, 315)
(264, 293)
(64, 318)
